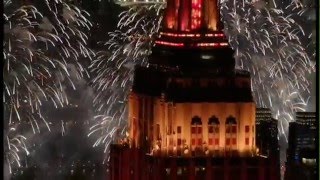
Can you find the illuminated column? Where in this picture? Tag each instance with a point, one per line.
(196, 13)
(184, 15)
(134, 110)
(211, 14)
(170, 13)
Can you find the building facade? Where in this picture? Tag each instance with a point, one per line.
(302, 135)
(302, 150)
(191, 114)
(267, 133)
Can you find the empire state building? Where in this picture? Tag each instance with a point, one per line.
(191, 113)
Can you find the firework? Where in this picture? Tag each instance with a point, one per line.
(267, 44)
(39, 46)
(113, 69)
(266, 41)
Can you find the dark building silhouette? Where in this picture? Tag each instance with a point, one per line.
(267, 133)
(191, 114)
(302, 135)
(301, 153)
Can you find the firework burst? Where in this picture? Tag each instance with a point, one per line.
(113, 68)
(39, 47)
(267, 44)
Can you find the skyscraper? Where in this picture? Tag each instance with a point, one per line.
(302, 135)
(301, 153)
(267, 133)
(191, 114)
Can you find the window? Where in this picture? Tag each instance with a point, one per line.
(213, 120)
(231, 120)
(234, 141)
(227, 141)
(247, 141)
(179, 130)
(199, 130)
(216, 129)
(196, 120)
(231, 125)
(179, 142)
(228, 129)
(210, 129)
(193, 142)
(196, 131)
(193, 130)
(210, 141)
(199, 142)
(234, 129)
(213, 124)
(217, 141)
(247, 129)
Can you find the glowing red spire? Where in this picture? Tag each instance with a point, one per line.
(192, 15)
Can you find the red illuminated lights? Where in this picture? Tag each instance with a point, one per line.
(196, 14)
(169, 43)
(197, 45)
(191, 34)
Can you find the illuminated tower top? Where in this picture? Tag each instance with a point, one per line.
(192, 37)
(192, 15)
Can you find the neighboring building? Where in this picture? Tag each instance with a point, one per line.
(267, 133)
(191, 114)
(307, 118)
(302, 135)
(302, 154)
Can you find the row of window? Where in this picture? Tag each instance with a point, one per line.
(215, 129)
(211, 141)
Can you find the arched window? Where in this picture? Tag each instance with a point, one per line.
(196, 131)
(231, 133)
(213, 131)
(196, 120)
